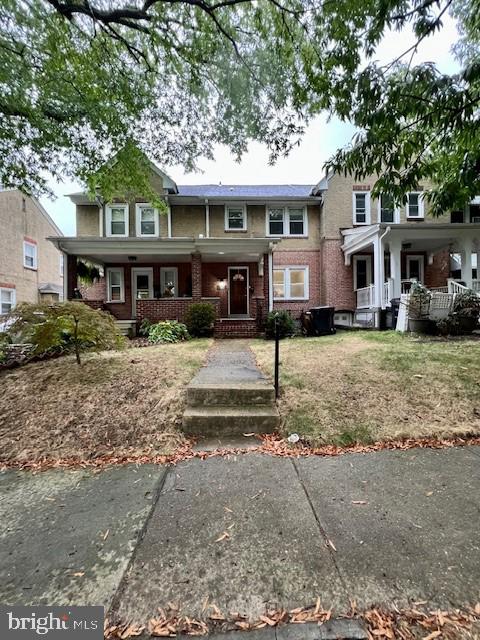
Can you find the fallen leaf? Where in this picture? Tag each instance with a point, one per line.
(429, 493)
(332, 545)
(105, 535)
(248, 435)
(359, 502)
(78, 574)
(224, 536)
(433, 635)
(228, 509)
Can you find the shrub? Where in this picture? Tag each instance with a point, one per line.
(448, 326)
(64, 327)
(419, 303)
(144, 327)
(200, 318)
(168, 331)
(286, 325)
(4, 342)
(467, 304)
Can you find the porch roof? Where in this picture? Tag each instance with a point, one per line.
(101, 250)
(420, 236)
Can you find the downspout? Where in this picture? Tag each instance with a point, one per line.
(270, 279)
(169, 218)
(207, 218)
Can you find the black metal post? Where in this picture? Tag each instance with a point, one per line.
(277, 357)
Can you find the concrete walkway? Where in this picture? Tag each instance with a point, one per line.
(247, 531)
(229, 361)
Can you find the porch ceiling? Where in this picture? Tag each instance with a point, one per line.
(143, 250)
(413, 236)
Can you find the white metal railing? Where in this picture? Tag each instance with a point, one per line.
(366, 297)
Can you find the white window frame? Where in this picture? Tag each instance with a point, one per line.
(396, 213)
(286, 220)
(13, 293)
(108, 216)
(421, 258)
(139, 206)
(121, 271)
(421, 206)
(368, 260)
(286, 270)
(163, 283)
(367, 207)
(236, 205)
(26, 244)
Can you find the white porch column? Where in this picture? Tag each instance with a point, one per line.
(378, 271)
(396, 267)
(467, 262)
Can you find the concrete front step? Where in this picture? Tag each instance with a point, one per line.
(229, 421)
(230, 394)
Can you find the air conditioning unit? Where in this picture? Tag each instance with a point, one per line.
(475, 219)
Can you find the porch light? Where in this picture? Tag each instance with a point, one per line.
(221, 284)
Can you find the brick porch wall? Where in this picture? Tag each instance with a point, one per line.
(169, 308)
(436, 274)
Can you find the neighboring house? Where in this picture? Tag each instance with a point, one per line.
(249, 249)
(31, 268)
(372, 251)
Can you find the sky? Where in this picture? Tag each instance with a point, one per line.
(304, 164)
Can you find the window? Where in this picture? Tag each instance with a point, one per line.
(29, 255)
(235, 218)
(147, 220)
(169, 282)
(286, 221)
(290, 283)
(457, 216)
(387, 211)
(361, 207)
(117, 220)
(116, 290)
(414, 208)
(362, 271)
(414, 266)
(7, 300)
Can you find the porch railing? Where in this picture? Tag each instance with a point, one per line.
(456, 287)
(387, 293)
(366, 297)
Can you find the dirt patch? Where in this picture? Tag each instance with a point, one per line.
(364, 387)
(116, 403)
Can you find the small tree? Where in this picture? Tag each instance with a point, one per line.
(64, 326)
(200, 319)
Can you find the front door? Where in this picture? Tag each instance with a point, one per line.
(414, 268)
(142, 286)
(238, 291)
(362, 272)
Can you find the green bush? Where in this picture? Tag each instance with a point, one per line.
(4, 342)
(200, 319)
(286, 325)
(467, 304)
(144, 327)
(168, 331)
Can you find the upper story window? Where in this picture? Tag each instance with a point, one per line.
(361, 207)
(147, 222)
(7, 299)
(117, 220)
(387, 212)
(287, 221)
(115, 285)
(290, 283)
(29, 254)
(235, 217)
(414, 207)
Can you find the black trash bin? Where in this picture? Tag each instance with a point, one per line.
(395, 306)
(323, 320)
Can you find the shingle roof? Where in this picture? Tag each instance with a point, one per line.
(246, 190)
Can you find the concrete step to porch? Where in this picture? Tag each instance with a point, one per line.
(230, 394)
(220, 420)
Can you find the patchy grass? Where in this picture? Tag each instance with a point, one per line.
(360, 387)
(127, 402)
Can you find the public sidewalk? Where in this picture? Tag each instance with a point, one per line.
(248, 532)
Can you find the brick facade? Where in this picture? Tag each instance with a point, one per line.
(169, 308)
(336, 278)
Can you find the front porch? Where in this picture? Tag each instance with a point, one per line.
(386, 260)
(161, 279)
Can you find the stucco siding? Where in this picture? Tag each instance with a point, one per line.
(88, 220)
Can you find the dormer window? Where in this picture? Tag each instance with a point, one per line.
(235, 217)
(146, 220)
(117, 220)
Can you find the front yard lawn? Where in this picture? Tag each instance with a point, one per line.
(360, 387)
(123, 403)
